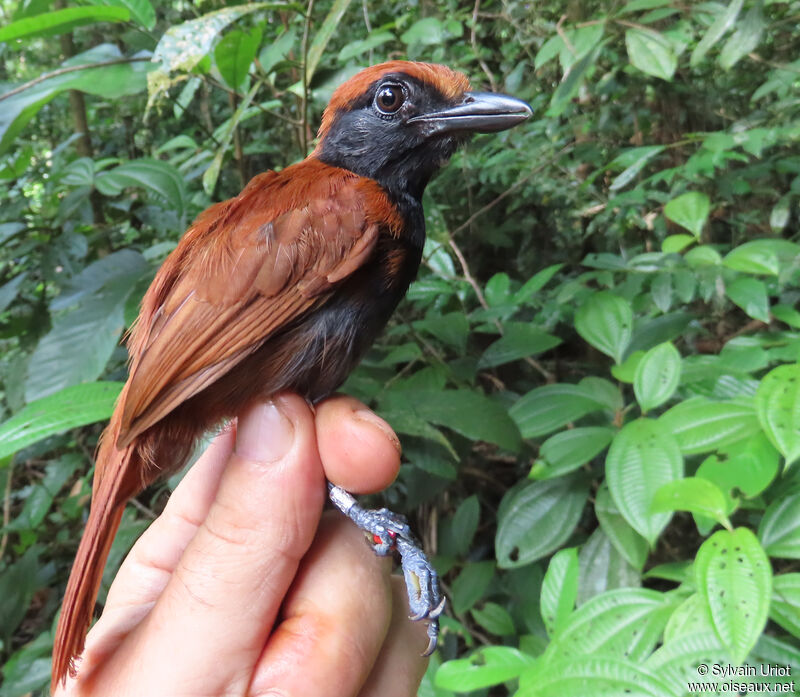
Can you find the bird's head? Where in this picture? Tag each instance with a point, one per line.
(399, 122)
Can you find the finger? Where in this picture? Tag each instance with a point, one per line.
(151, 561)
(399, 667)
(334, 621)
(221, 601)
(148, 566)
(359, 450)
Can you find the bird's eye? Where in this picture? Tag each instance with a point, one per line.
(389, 98)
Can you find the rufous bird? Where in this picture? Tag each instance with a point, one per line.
(284, 288)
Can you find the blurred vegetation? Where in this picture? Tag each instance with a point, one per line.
(595, 376)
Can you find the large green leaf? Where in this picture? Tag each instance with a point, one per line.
(603, 568)
(323, 35)
(734, 579)
(785, 606)
(519, 340)
(629, 543)
(642, 458)
(468, 412)
(724, 21)
(61, 21)
(82, 339)
(538, 519)
(689, 210)
(657, 376)
(744, 40)
(694, 494)
(651, 52)
(141, 10)
(490, 665)
(778, 408)
(71, 407)
(547, 408)
(568, 450)
(766, 256)
(605, 320)
(109, 81)
(701, 425)
(779, 530)
(159, 177)
(234, 55)
(751, 295)
(559, 589)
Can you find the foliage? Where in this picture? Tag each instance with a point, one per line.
(595, 375)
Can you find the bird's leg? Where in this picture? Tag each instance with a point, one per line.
(390, 532)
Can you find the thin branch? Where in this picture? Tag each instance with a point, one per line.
(474, 41)
(304, 99)
(64, 71)
(560, 32)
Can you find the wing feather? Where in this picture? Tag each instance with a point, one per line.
(235, 279)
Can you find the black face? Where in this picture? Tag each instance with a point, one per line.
(375, 139)
(402, 130)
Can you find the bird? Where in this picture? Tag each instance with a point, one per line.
(283, 288)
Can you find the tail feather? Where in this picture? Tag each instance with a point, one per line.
(108, 504)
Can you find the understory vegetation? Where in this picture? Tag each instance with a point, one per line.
(595, 377)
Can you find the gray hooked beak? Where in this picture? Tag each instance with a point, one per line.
(479, 112)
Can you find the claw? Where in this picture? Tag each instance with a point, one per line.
(433, 614)
(390, 532)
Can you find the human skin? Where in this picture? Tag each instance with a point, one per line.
(243, 586)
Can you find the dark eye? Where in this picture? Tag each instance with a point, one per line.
(389, 98)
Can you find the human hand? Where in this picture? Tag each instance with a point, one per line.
(243, 587)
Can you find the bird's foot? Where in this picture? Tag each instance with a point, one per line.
(391, 532)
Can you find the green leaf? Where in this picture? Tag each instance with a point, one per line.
(749, 467)
(519, 340)
(651, 52)
(606, 321)
(108, 81)
(559, 589)
(361, 46)
(277, 51)
(779, 530)
(490, 665)
(603, 568)
(571, 82)
(159, 177)
(677, 660)
(61, 21)
(72, 407)
(623, 621)
(785, 606)
(787, 315)
(495, 619)
(635, 159)
(534, 284)
(8, 291)
(751, 295)
(547, 408)
(465, 523)
(716, 31)
(744, 40)
(95, 325)
(467, 412)
(657, 376)
(234, 55)
(778, 408)
(643, 457)
(18, 583)
(700, 425)
(692, 494)
(537, 519)
(779, 216)
(607, 675)
(470, 585)
(734, 579)
(141, 10)
(568, 450)
(323, 36)
(629, 543)
(427, 32)
(673, 244)
(767, 256)
(689, 210)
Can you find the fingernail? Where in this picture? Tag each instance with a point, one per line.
(372, 418)
(264, 434)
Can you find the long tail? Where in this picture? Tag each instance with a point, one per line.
(111, 491)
